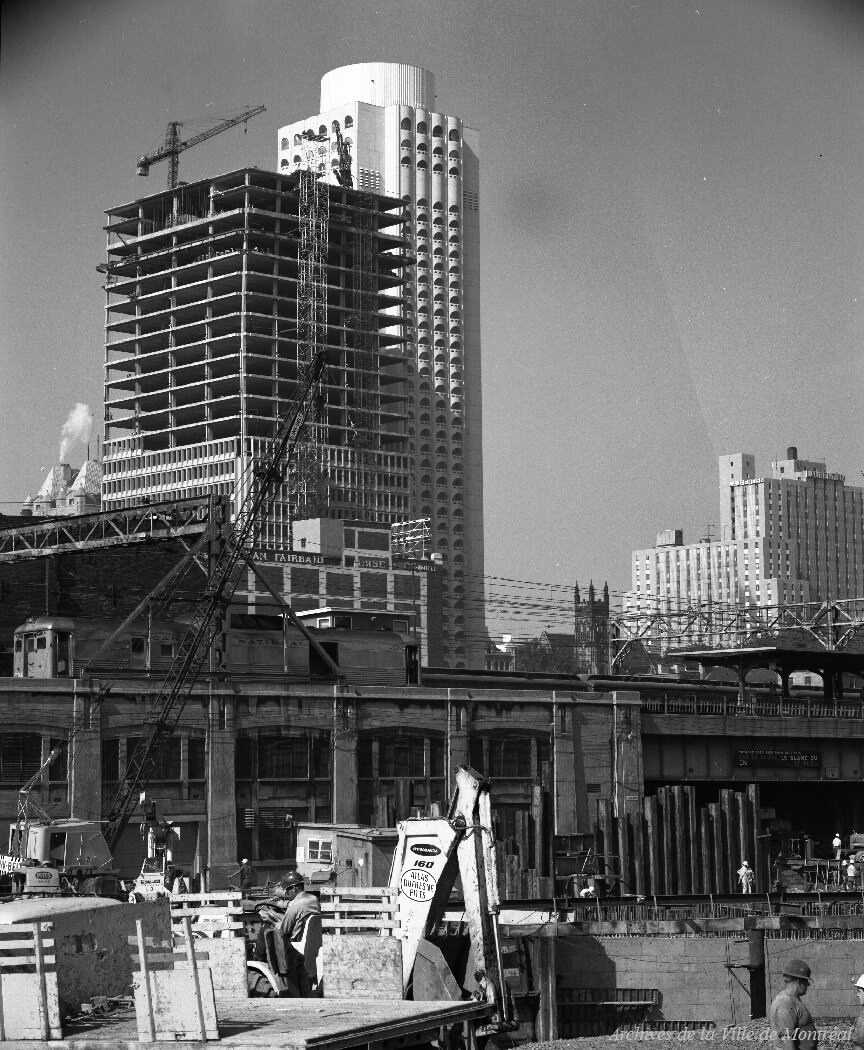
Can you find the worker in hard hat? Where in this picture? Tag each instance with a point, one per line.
(857, 1038)
(792, 1026)
(247, 875)
(745, 877)
(837, 845)
(299, 924)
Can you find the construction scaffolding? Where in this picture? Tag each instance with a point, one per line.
(412, 539)
(361, 371)
(309, 483)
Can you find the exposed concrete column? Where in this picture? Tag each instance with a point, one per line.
(582, 818)
(345, 778)
(221, 827)
(458, 726)
(628, 783)
(563, 763)
(85, 756)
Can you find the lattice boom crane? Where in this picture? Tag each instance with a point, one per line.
(174, 146)
(258, 489)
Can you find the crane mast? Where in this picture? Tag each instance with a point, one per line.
(174, 146)
(257, 491)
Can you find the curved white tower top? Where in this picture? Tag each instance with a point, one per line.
(379, 84)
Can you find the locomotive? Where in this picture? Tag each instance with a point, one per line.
(368, 647)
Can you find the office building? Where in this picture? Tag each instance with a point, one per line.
(796, 535)
(384, 119)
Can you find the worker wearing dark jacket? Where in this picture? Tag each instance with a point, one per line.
(302, 922)
(792, 1027)
(300, 906)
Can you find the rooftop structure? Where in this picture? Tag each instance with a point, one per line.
(400, 143)
(66, 491)
(207, 335)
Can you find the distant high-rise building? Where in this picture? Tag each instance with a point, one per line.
(209, 314)
(399, 143)
(794, 536)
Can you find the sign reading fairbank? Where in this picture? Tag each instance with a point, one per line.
(294, 557)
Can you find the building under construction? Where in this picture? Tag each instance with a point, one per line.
(218, 294)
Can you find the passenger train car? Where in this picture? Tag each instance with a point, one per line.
(369, 648)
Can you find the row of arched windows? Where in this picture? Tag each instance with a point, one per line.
(437, 130)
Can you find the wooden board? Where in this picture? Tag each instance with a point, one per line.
(363, 967)
(29, 1001)
(179, 1005)
(299, 1024)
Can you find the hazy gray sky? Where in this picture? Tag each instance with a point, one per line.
(672, 214)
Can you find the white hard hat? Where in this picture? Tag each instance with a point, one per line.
(860, 982)
(244, 861)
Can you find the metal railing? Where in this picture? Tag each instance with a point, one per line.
(753, 707)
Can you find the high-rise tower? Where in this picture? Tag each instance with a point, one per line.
(402, 145)
(209, 311)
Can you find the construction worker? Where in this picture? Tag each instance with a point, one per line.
(851, 874)
(247, 875)
(300, 921)
(857, 1038)
(837, 845)
(745, 877)
(792, 1026)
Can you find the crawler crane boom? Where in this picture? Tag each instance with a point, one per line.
(258, 489)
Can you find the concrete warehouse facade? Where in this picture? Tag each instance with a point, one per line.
(796, 535)
(402, 145)
(204, 346)
(249, 759)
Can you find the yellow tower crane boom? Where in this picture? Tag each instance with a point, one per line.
(174, 145)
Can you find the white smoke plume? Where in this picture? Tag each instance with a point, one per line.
(76, 430)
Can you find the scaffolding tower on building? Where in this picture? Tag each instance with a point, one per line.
(309, 481)
(360, 342)
(412, 539)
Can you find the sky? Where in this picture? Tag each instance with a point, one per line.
(672, 232)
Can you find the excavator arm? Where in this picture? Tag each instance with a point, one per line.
(430, 854)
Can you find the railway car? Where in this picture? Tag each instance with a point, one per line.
(368, 648)
(62, 647)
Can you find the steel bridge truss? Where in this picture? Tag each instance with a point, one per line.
(120, 528)
(830, 626)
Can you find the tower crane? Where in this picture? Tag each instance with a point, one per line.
(174, 146)
(257, 490)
